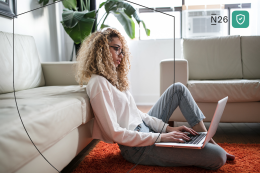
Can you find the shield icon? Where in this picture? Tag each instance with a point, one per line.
(240, 19)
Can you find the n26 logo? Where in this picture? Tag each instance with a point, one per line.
(218, 19)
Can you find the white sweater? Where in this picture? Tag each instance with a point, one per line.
(116, 115)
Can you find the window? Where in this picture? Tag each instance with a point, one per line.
(189, 22)
(203, 21)
(203, 24)
(161, 25)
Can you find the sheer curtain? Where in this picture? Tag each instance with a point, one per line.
(65, 43)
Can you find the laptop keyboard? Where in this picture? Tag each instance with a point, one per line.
(195, 139)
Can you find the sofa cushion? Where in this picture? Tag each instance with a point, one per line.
(27, 66)
(251, 56)
(237, 90)
(213, 57)
(48, 113)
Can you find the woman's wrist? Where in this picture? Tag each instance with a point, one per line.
(162, 137)
(170, 129)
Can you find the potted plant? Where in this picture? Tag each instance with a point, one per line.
(79, 24)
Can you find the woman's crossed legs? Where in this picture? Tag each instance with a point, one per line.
(210, 157)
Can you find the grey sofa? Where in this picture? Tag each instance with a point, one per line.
(215, 67)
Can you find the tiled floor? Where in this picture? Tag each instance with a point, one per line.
(226, 133)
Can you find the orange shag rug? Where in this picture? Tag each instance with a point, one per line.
(107, 158)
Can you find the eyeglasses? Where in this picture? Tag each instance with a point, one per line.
(117, 52)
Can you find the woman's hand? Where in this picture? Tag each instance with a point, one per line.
(176, 134)
(181, 129)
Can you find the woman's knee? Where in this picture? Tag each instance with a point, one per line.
(178, 86)
(220, 160)
(218, 157)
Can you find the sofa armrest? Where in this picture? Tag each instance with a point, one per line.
(167, 73)
(59, 73)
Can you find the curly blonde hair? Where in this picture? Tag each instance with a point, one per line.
(94, 57)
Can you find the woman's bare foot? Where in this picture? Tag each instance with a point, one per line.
(200, 127)
(229, 156)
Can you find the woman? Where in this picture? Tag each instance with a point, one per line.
(103, 64)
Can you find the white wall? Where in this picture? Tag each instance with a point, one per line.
(145, 67)
(41, 24)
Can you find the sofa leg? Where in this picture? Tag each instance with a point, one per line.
(171, 123)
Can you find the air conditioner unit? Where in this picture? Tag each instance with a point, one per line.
(198, 23)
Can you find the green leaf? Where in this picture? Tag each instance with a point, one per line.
(70, 4)
(104, 26)
(101, 5)
(88, 5)
(129, 10)
(123, 12)
(70, 18)
(126, 22)
(113, 4)
(117, 0)
(120, 5)
(80, 31)
(43, 2)
(78, 25)
(110, 5)
(138, 20)
(147, 31)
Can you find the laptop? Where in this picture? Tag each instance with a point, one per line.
(199, 141)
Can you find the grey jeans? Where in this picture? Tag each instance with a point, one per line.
(210, 157)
